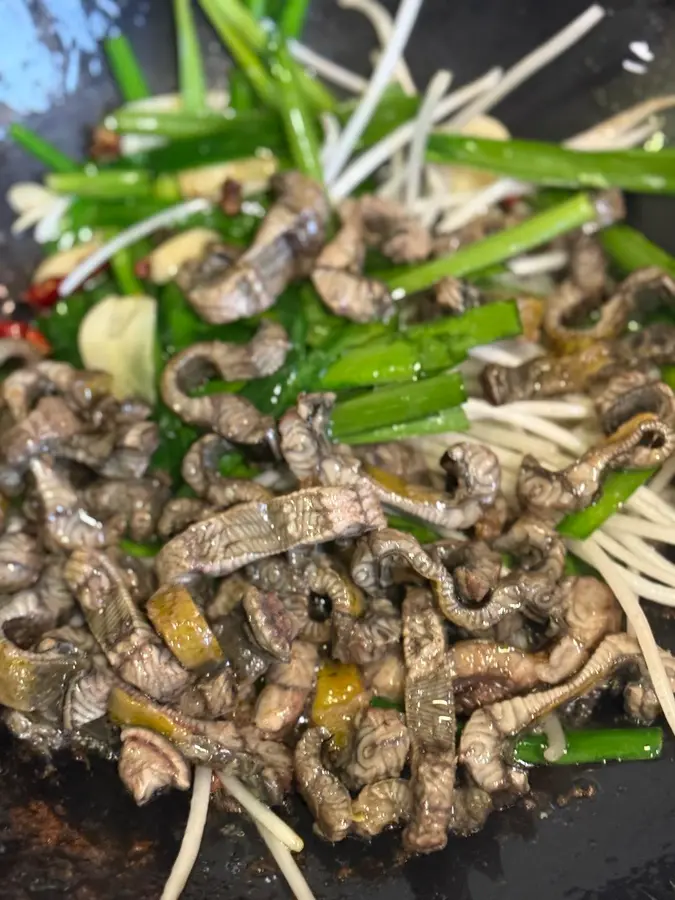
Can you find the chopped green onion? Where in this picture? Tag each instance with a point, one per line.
(122, 266)
(175, 124)
(190, 64)
(448, 420)
(385, 702)
(293, 18)
(242, 97)
(557, 166)
(257, 36)
(41, 149)
(616, 490)
(301, 130)
(189, 128)
(258, 8)
(668, 376)
(539, 229)
(397, 403)
(593, 745)
(241, 51)
(141, 551)
(126, 69)
(423, 349)
(630, 249)
(423, 533)
(247, 134)
(102, 183)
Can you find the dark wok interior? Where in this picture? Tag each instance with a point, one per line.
(69, 830)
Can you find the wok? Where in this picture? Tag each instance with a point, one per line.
(598, 832)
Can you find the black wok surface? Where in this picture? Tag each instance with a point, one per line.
(606, 833)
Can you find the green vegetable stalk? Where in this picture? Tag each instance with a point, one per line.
(126, 69)
(102, 183)
(190, 64)
(122, 266)
(301, 130)
(535, 231)
(594, 745)
(242, 53)
(556, 166)
(242, 21)
(447, 420)
(293, 17)
(41, 149)
(616, 490)
(397, 403)
(422, 349)
(630, 250)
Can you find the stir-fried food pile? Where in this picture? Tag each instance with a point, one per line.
(347, 493)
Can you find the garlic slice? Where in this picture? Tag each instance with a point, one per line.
(253, 174)
(61, 263)
(117, 336)
(167, 258)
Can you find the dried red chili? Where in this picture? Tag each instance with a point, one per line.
(43, 294)
(17, 330)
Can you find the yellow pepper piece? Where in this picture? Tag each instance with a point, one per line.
(339, 696)
(133, 708)
(183, 628)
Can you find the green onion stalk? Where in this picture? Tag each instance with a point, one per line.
(422, 349)
(190, 64)
(593, 745)
(553, 165)
(103, 183)
(319, 98)
(586, 746)
(126, 69)
(395, 404)
(497, 248)
(242, 53)
(617, 488)
(630, 250)
(47, 153)
(300, 126)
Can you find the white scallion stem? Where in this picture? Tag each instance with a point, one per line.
(540, 263)
(192, 836)
(664, 476)
(620, 125)
(438, 85)
(641, 564)
(405, 20)
(481, 202)
(641, 549)
(531, 64)
(560, 409)
(331, 134)
(383, 25)
(379, 153)
(503, 355)
(126, 238)
(651, 506)
(516, 440)
(479, 409)
(261, 813)
(591, 553)
(288, 866)
(650, 530)
(329, 70)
